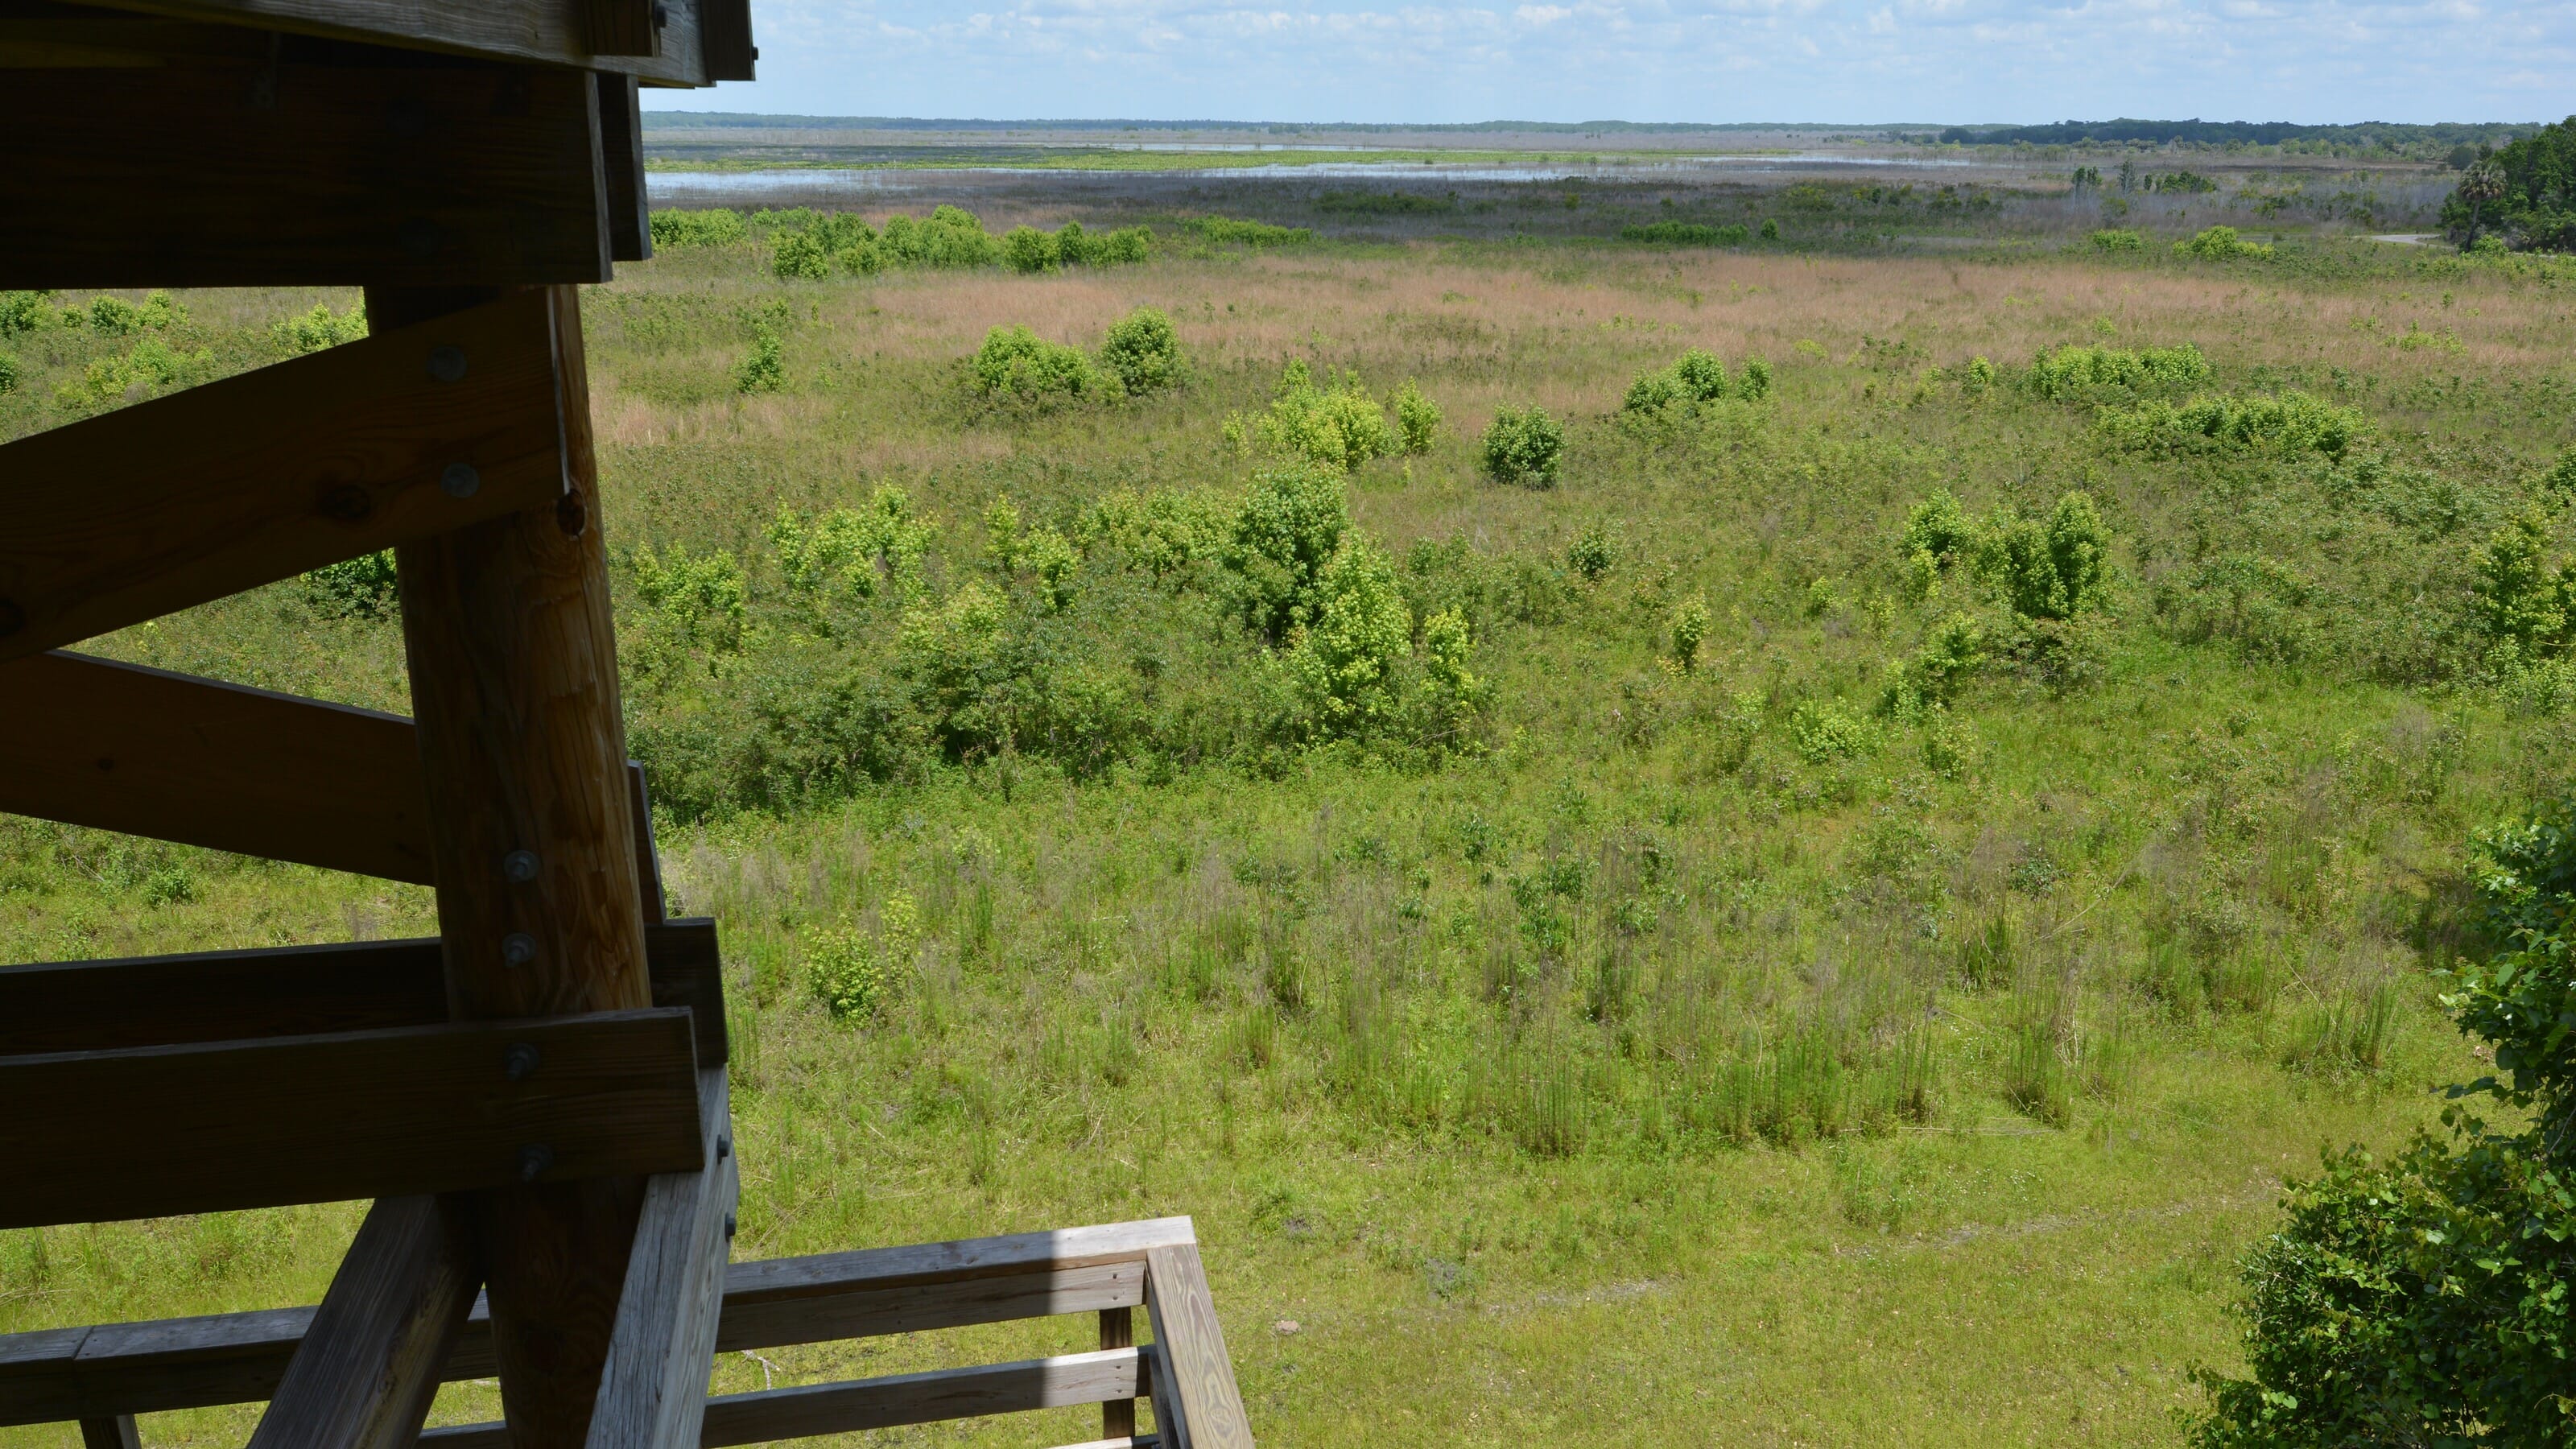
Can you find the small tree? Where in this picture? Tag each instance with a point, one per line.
(2480, 185)
(763, 370)
(1524, 446)
(1417, 419)
(1142, 349)
(1690, 628)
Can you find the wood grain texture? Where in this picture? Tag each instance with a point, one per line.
(1210, 1408)
(119, 1432)
(212, 996)
(724, 33)
(121, 747)
(369, 1365)
(157, 1131)
(277, 175)
(648, 860)
(522, 739)
(621, 151)
(186, 498)
(1118, 1330)
(547, 32)
(778, 1279)
(752, 1320)
(884, 1403)
(619, 27)
(652, 1393)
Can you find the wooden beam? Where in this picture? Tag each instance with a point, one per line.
(544, 32)
(287, 175)
(1204, 1410)
(156, 1131)
(653, 1392)
(1069, 1381)
(514, 688)
(413, 432)
(185, 1363)
(724, 33)
(174, 757)
(147, 752)
(112, 1433)
(619, 27)
(1118, 1330)
(215, 996)
(368, 1367)
(621, 149)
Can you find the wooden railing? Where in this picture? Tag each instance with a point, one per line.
(105, 1375)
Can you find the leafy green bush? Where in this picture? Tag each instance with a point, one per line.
(2052, 570)
(1692, 233)
(1417, 422)
(950, 236)
(24, 311)
(1344, 661)
(842, 554)
(312, 331)
(1593, 553)
(116, 317)
(712, 228)
(2081, 372)
(1825, 732)
(1689, 631)
(2220, 243)
(2561, 477)
(1143, 350)
(1221, 230)
(1341, 428)
(1697, 376)
(764, 370)
(2527, 190)
(1770, 229)
(151, 367)
(1076, 247)
(1290, 524)
(1524, 446)
(8, 374)
(2432, 1300)
(2118, 240)
(1027, 249)
(1017, 362)
(854, 975)
(799, 254)
(2288, 422)
(363, 587)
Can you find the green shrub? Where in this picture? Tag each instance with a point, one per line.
(1697, 376)
(1076, 247)
(1341, 428)
(2289, 422)
(949, 237)
(1451, 694)
(1756, 383)
(1524, 446)
(2561, 477)
(8, 374)
(1593, 553)
(1143, 350)
(148, 369)
(1017, 362)
(2052, 570)
(1027, 249)
(1770, 229)
(1290, 523)
(312, 331)
(799, 254)
(1417, 422)
(116, 317)
(712, 228)
(24, 311)
(1825, 731)
(1939, 527)
(2220, 243)
(1221, 230)
(1344, 661)
(363, 587)
(2517, 600)
(1691, 233)
(2118, 240)
(854, 975)
(763, 370)
(1689, 631)
(842, 553)
(2080, 372)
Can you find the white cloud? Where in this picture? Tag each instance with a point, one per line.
(1842, 60)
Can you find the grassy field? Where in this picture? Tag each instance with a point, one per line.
(1747, 1053)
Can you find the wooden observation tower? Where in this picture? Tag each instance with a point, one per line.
(534, 1100)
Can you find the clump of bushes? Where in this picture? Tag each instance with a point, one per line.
(1693, 234)
(312, 331)
(1697, 376)
(2076, 371)
(1524, 446)
(811, 245)
(2118, 239)
(716, 227)
(1141, 354)
(362, 588)
(765, 369)
(1027, 249)
(2287, 422)
(1340, 427)
(2220, 243)
(151, 367)
(1223, 230)
(853, 974)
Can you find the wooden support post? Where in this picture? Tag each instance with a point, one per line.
(532, 832)
(118, 1432)
(1117, 1330)
(368, 1368)
(654, 1392)
(1203, 1409)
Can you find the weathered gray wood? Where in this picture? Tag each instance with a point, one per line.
(268, 991)
(170, 503)
(156, 1131)
(119, 1432)
(884, 1403)
(621, 152)
(648, 861)
(553, 32)
(652, 1393)
(59, 1374)
(1118, 1330)
(369, 1365)
(724, 33)
(1210, 1408)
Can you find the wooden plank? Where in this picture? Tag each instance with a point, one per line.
(724, 33)
(369, 1365)
(653, 1391)
(287, 174)
(619, 27)
(213, 996)
(648, 861)
(1118, 1330)
(147, 752)
(156, 1131)
(621, 150)
(119, 1432)
(514, 687)
(884, 1403)
(1122, 1441)
(1204, 1410)
(58, 1374)
(545, 32)
(186, 498)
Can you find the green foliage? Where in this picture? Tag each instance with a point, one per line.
(2220, 243)
(1697, 376)
(695, 603)
(24, 312)
(1524, 446)
(1689, 631)
(2561, 477)
(116, 317)
(148, 369)
(1144, 351)
(1344, 662)
(1075, 247)
(765, 369)
(1016, 362)
(1417, 422)
(2055, 569)
(1770, 229)
(2075, 372)
(844, 554)
(1939, 528)
(2290, 422)
(1221, 231)
(1825, 732)
(8, 374)
(1027, 249)
(1338, 428)
(853, 975)
(676, 229)
(2527, 190)
(1290, 525)
(362, 587)
(2118, 240)
(799, 255)
(312, 331)
(1593, 553)
(1692, 233)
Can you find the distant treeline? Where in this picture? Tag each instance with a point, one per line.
(2380, 135)
(698, 120)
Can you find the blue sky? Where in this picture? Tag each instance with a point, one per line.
(1663, 60)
